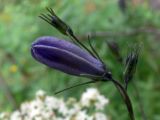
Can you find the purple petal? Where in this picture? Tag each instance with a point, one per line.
(65, 56)
(64, 61)
(63, 44)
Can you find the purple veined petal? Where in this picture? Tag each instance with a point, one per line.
(65, 60)
(63, 44)
(53, 64)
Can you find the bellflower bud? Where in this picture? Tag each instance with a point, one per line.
(66, 57)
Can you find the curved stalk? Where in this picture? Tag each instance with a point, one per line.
(81, 84)
(125, 97)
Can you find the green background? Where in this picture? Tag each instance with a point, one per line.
(20, 26)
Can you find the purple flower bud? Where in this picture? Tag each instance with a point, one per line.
(67, 57)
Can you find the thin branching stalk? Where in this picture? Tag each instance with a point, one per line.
(77, 85)
(125, 97)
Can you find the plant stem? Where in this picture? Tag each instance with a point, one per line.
(125, 97)
(81, 84)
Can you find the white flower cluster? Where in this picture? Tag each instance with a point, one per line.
(43, 107)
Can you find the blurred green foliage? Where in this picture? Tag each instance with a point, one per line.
(20, 26)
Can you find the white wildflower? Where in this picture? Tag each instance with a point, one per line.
(45, 107)
(40, 94)
(59, 118)
(16, 116)
(4, 116)
(52, 102)
(36, 107)
(24, 108)
(89, 96)
(47, 114)
(75, 109)
(101, 102)
(81, 115)
(63, 108)
(37, 118)
(92, 96)
(100, 116)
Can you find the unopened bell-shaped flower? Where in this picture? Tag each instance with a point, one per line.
(67, 57)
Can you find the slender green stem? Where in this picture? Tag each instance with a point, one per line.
(81, 84)
(73, 37)
(125, 98)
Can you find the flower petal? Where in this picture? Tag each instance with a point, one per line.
(64, 60)
(63, 44)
